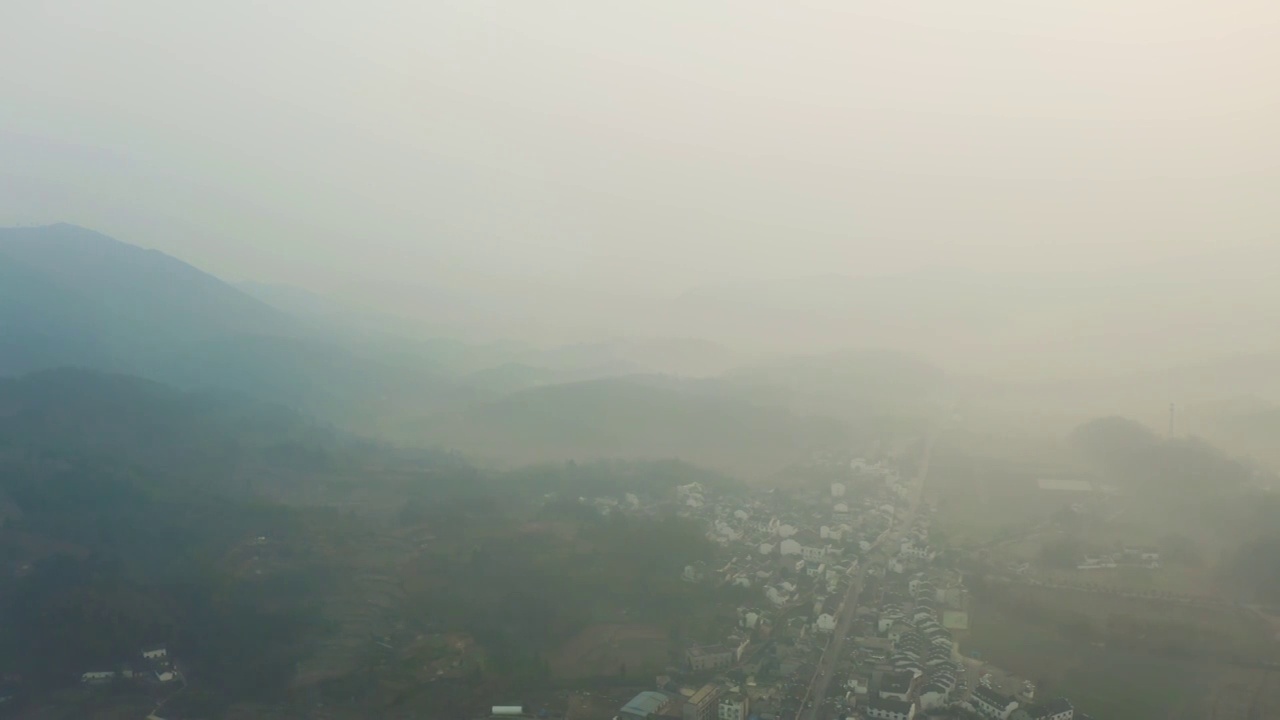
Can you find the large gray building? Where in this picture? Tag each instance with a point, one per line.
(709, 657)
(644, 706)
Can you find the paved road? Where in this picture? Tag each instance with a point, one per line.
(822, 676)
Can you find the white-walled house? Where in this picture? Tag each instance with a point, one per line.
(733, 706)
(911, 550)
(887, 620)
(98, 676)
(992, 704)
(812, 547)
(890, 709)
(933, 696)
(1059, 709)
(826, 623)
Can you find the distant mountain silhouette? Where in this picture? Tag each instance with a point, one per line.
(638, 417)
(72, 296)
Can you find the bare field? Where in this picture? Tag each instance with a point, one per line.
(1236, 626)
(1268, 703)
(1101, 681)
(1197, 582)
(1236, 693)
(604, 649)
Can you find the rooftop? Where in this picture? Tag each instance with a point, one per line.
(700, 650)
(1049, 707)
(646, 703)
(704, 694)
(898, 682)
(991, 697)
(890, 705)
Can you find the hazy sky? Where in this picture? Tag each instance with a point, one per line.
(646, 145)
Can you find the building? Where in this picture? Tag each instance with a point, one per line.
(702, 704)
(826, 623)
(1058, 709)
(993, 704)
(157, 653)
(98, 676)
(709, 657)
(890, 709)
(915, 552)
(897, 685)
(644, 706)
(734, 706)
(859, 683)
(934, 695)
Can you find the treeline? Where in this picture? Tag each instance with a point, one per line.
(1128, 453)
(1146, 631)
(126, 509)
(522, 594)
(613, 478)
(122, 499)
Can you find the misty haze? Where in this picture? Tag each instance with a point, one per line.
(664, 361)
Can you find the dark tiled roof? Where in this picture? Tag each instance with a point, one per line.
(1049, 708)
(890, 705)
(898, 682)
(991, 697)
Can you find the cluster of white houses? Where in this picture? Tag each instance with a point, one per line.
(999, 706)
(800, 551)
(155, 666)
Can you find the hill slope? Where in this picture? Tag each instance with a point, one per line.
(65, 282)
(638, 417)
(74, 297)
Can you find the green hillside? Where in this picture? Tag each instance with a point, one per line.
(635, 418)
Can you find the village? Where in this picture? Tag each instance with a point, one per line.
(857, 615)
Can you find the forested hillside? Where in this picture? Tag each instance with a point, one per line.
(126, 505)
(256, 545)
